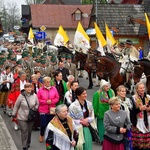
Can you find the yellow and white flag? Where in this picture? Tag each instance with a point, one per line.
(109, 38)
(61, 37)
(148, 25)
(81, 39)
(31, 36)
(101, 40)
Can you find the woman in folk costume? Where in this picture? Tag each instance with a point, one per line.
(60, 132)
(17, 88)
(140, 118)
(6, 79)
(70, 95)
(35, 87)
(82, 112)
(60, 85)
(100, 104)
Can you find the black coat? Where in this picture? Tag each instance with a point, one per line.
(65, 73)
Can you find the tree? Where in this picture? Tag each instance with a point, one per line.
(10, 16)
(13, 15)
(28, 2)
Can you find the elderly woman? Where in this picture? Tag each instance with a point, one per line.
(6, 79)
(36, 85)
(70, 79)
(116, 124)
(70, 95)
(17, 87)
(82, 112)
(47, 97)
(21, 111)
(60, 131)
(141, 118)
(100, 104)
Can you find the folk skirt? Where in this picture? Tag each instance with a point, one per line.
(107, 145)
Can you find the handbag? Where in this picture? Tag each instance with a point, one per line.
(94, 134)
(32, 113)
(52, 111)
(3, 88)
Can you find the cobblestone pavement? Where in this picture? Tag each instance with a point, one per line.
(6, 141)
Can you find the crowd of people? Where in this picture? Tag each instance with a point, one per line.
(50, 86)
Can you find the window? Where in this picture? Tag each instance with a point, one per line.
(78, 15)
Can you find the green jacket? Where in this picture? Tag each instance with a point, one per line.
(100, 106)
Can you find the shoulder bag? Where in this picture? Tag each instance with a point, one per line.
(94, 134)
(32, 113)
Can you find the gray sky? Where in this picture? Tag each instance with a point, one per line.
(18, 2)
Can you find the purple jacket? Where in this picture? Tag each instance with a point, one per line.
(44, 95)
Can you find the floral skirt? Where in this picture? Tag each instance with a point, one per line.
(140, 140)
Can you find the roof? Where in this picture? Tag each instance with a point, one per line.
(63, 2)
(52, 16)
(52, 2)
(117, 16)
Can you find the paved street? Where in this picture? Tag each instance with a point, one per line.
(10, 139)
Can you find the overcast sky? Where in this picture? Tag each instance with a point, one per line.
(18, 2)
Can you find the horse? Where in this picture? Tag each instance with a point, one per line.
(111, 67)
(82, 57)
(131, 65)
(126, 64)
(140, 67)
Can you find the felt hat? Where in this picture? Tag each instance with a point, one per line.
(69, 57)
(43, 61)
(42, 57)
(38, 60)
(13, 59)
(129, 42)
(19, 62)
(9, 56)
(103, 83)
(121, 44)
(53, 59)
(63, 56)
(34, 55)
(1, 62)
(25, 55)
(50, 54)
(10, 52)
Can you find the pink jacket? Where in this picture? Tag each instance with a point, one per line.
(43, 95)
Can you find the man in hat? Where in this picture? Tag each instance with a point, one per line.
(63, 57)
(37, 66)
(33, 62)
(44, 69)
(26, 65)
(71, 66)
(53, 65)
(129, 50)
(117, 50)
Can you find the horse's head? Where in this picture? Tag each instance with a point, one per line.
(126, 65)
(79, 56)
(138, 71)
